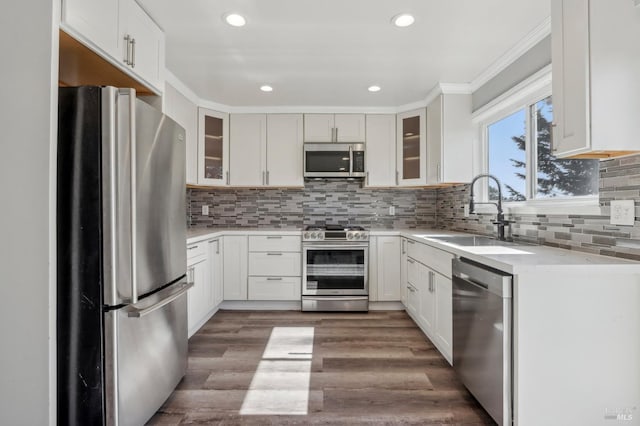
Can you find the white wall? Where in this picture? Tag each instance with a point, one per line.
(28, 100)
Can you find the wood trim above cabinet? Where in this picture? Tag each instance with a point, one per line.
(80, 66)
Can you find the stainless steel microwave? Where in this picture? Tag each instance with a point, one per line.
(334, 160)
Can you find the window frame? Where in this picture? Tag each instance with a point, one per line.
(523, 96)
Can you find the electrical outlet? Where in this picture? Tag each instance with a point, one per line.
(392, 210)
(622, 212)
(205, 210)
(466, 210)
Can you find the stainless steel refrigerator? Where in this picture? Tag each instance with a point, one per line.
(121, 235)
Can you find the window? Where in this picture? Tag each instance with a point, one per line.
(519, 155)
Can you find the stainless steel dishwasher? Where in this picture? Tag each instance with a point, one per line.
(482, 335)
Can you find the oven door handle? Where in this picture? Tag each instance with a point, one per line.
(337, 297)
(345, 246)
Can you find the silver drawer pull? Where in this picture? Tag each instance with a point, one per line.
(274, 254)
(274, 279)
(274, 237)
(192, 248)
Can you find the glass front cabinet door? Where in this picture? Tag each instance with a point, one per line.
(412, 148)
(213, 147)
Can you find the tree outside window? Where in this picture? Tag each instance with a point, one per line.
(520, 156)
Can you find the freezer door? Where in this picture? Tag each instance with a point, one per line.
(143, 196)
(145, 355)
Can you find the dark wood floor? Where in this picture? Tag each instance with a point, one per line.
(374, 368)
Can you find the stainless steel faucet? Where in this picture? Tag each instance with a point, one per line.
(500, 221)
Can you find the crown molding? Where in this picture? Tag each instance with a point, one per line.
(530, 40)
(172, 80)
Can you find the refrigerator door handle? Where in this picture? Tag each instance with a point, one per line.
(133, 194)
(139, 312)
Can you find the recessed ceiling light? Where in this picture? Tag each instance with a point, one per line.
(374, 88)
(266, 88)
(403, 20)
(235, 20)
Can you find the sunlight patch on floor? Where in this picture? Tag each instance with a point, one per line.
(280, 384)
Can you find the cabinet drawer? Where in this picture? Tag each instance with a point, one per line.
(289, 243)
(274, 288)
(436, 259)
(194, 251)
(414, 271)
(275, 263)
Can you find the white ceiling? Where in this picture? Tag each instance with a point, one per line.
(327, 52)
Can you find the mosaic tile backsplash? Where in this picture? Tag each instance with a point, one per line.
(619, 180)
(346, 202)
(319, 202)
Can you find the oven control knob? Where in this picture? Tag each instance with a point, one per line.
(314, 235)
(349, 236)
(306, 235)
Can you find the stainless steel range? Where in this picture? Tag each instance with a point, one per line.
(335, 269)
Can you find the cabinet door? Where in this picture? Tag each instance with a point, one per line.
(284, 150)
(234, 270)
(411, 145)
(185, 113)
(403, 272)
(434, 141)
(248, 141)
(380, 154)
(349, 127)
(427, 314)
(213, 148)
(215, 262)
(444, 314)
(388, 268)
(147, 50)
(96, 21)
(571, 86)
(198, 295)
(318, 127)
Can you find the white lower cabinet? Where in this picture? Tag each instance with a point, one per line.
(444, 314)
(234, 270)
(404, 289)
(200, 296)
(429, 297)
(215, 269)
(384, 269)
(275, 267)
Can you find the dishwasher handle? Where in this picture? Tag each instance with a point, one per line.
(497, 282)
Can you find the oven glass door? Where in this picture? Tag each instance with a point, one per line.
(335, 270)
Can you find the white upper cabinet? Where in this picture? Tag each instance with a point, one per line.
(248, 144)
(265, 150)
(213, 148)
(380, 155)
(412, 148)
(120, 31)
(284, 150)
(334, 128)
(185, 113)
(144, 41)
(596, 89)
(449, 139)
(94, 20)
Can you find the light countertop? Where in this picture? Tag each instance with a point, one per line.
(514, 258)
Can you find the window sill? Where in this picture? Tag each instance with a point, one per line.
(586, 206)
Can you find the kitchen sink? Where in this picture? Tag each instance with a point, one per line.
(471, 240)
